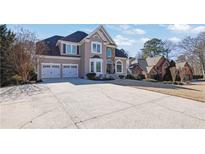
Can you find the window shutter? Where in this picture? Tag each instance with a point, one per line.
(64, 46)
(77, 50)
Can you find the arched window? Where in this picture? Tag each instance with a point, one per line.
(119, 66)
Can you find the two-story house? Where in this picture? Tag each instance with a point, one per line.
(80, 53)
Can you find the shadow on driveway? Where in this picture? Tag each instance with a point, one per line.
(121, 82)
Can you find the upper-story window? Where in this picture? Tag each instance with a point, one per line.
(70, 49)
(109, 52)
(96, 47)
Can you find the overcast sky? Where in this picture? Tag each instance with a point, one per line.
(129, 37)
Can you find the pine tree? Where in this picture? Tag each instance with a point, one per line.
(6, 43)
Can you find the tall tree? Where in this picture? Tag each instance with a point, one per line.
(168, 47)
(153, 47)
(6, 44)
(194, 49)
(25, 53)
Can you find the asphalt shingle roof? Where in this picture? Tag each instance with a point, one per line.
(50, 42)
(120, 53)
(75, 37)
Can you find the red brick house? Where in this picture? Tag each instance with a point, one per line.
(187, 70)
(151, 67)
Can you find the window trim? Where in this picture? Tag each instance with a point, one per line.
(116, 66)
(97, 43)
(95, 60)
(71, 44)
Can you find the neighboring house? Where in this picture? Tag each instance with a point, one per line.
(186, 68)
(79, 53)
(136, 71)
(153, 67)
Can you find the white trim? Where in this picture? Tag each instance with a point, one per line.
(59, 57)
(98, 43)
(123, 58)
(97, 29)
(101, 36)
(116, 66)
(67, 42)
(110, 46)
(69, 65)
(96, 60)
(50, 64)
(71, 45)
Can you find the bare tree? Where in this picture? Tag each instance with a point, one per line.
(194, 49)
(173, 71)
(24, 55)
(168, 46)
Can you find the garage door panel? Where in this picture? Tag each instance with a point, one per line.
(70, 70)
(50, 70)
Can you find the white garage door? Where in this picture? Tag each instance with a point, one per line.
(50, 70)
(70, 70)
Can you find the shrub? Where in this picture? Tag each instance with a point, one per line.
(141, 77)
(121, 76)
(91, 76)
(130, 77)
(32, 76)
(16, 79)
(197, 76)
(38, 81)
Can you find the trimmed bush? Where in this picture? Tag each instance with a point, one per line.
(121, 76)
(91, 76)
(130, 77)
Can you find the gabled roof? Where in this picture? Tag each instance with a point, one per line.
(180, 64)
(134, 66)
(148, 64)
(120, 53)
(53, 50)
(105, 33)
(75, 37)
(152, 61)
(143, 64)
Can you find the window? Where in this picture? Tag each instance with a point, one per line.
(96, 65)
(118, 66)
(96, 47)
(92, 67)
(70, 49)
(109, 67)
(109, 52)
(55, 66)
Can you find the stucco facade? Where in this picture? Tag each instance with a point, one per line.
(85, 55)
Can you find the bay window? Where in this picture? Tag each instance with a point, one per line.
(95, 65)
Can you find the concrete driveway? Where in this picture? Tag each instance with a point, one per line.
(79, 103)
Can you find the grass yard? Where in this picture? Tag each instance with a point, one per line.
(194, 90)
